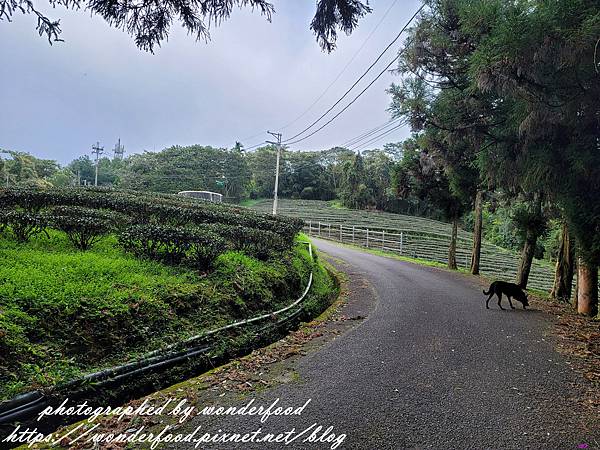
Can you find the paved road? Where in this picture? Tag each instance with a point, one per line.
(432, 368)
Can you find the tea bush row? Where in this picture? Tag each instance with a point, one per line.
(166, 228)
(147, 208)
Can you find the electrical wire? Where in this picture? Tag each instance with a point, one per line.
(334, 80)
(376, 138)
(343, 70)
(349, 104)
(288, 141)
(369, 133)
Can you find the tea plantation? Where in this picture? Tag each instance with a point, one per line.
(422, 238)
(93, 278)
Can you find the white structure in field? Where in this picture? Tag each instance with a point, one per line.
(203, 195)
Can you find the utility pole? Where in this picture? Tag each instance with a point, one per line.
(119, 150)
(97, 150)
(278, 145)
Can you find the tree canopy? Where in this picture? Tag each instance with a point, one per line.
(149, 21)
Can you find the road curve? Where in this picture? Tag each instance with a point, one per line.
(430, 367)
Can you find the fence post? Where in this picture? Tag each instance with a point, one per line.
(367, 238)
(401, 242)
(319, 232)
(383, 240)
(329, 231)
(353, 234)
(309, 227)
(341, 237)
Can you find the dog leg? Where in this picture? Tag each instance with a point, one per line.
(487, 303)
(510, 303)
(499, 300)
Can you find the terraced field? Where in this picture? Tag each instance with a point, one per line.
(411, 236)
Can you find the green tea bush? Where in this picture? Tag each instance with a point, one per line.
(196, 247)
(23, 224)
(84, 226)
(167, 228)
(261, 244)
(150, 208)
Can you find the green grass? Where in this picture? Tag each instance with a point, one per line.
(64, 312)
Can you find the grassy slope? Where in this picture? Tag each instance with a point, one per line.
(65, 312)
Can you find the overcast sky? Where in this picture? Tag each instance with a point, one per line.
(56, 101)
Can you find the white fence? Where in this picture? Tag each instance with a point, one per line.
(496, 262)
(358, 236)
(411, 244)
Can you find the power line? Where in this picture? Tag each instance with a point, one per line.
(376, 138)
(335, 79)
(260, 144)
(344, 69)
(360, 79)
(368, 133)
(349, 104)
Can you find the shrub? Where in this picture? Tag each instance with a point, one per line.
(23, 224)
(259, 243)
(32, 200)
(205, 247)
(155, 242)
(162, 219)
(197, 247)
(83, 226)
(148, 208)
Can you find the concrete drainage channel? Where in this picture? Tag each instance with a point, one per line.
(155, 370)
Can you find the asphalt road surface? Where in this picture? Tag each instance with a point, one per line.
(430, 367)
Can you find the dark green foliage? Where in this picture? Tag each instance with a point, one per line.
(314, 175)
(84, 226)
(23, 224)
(197, 247)
(83, 171)
(255, 242)
(354, 192)
(24, 170)
(194, 167)
(150, 208)
(554, 100)
(168, 228)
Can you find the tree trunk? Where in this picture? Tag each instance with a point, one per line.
(563, 274)
(528, 251)
(526, 258)
(587, 288)
(452, 249)
(476, 254)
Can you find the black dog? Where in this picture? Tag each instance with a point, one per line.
(508, 289)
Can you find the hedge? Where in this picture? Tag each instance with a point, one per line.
(23, 224)
(172, 229)
(197, 247)
(84, 226)
(149, 208)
